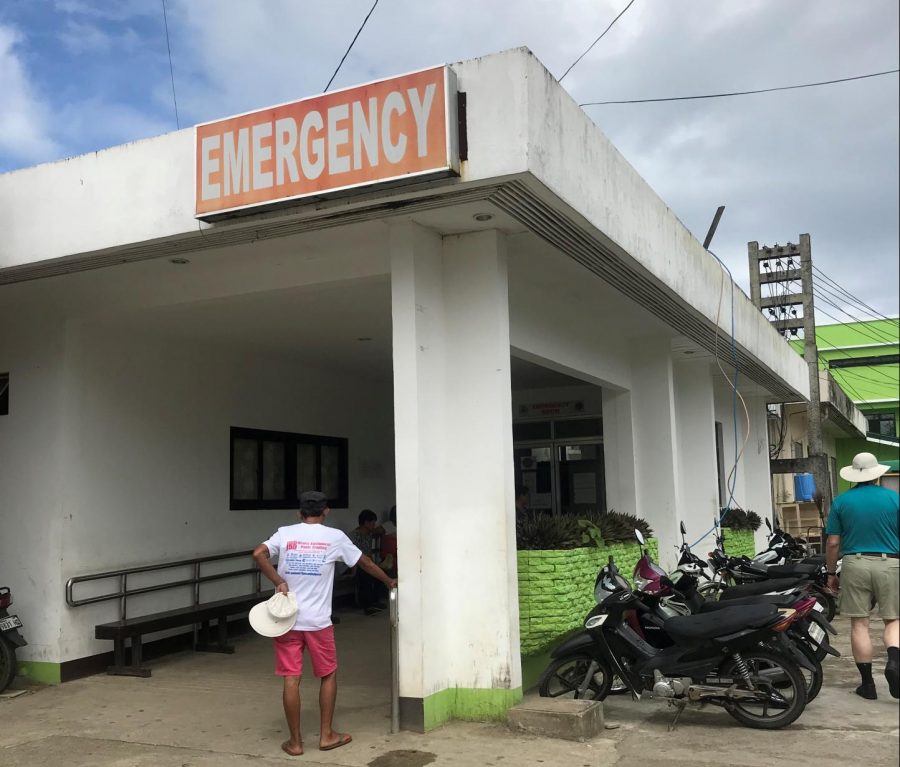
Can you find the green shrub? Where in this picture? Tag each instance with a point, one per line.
(738, 519)
(537, 531)
(618, 527)
(545, 532)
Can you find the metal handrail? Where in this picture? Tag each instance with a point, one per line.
(124, 592)
(395, 661)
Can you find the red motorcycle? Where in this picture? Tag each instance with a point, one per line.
(10, 639)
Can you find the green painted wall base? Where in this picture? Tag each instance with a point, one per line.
(472, 705)
(740, 543)
(533, 667)
(40, 672)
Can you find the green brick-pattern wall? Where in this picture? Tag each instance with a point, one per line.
(739, 543)
(556, 588)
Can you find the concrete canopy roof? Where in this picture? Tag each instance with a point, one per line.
(535, 161)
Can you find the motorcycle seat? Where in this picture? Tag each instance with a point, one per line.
(792, 569)
(778, 600)
(761, 587)
(690, 629)
(817, 559)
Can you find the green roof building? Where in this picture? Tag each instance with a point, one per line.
(864, 358)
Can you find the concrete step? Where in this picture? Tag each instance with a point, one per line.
(557, 718)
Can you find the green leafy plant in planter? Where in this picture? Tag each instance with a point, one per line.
(545, 532)
(738, 519)
(618, 527)
(537, 531)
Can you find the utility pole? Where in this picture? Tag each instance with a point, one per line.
(783, 265)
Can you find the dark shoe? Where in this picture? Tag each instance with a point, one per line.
(892, 674)
(867, 691)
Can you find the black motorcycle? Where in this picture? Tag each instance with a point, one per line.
(10, 639)
(723, 658)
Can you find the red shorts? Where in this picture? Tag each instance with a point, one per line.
(289, 652)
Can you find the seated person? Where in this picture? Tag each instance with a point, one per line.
(522, 497)
(389, 544)
(369, 591)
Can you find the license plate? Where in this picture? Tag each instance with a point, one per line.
(12, 622)
(818, 608)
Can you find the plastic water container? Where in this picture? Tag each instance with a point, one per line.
(804, 487)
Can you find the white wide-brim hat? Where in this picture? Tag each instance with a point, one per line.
(865, 468)
(276, 616)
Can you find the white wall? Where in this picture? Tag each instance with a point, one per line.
(145, 428)
(32, 498)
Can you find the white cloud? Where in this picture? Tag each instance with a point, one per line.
(78, 37)
(112, 10)
(24, 120)
(87, 38)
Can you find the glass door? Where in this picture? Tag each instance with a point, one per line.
(582, 488)
(534, 470)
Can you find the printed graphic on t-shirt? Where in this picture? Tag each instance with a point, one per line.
(304, 558)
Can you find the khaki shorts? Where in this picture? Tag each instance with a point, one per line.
(866, 580)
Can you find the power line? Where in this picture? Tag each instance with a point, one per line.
(871, 333)
(742, 93)
(171, 71)
(862, 304)
(866, 332)
(611, 24)
(349, 47)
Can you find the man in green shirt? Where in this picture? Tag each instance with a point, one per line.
(863, 528)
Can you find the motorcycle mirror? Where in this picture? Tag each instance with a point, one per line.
(639, 536)
(768, 524)
(683, 528)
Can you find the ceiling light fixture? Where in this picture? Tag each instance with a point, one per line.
(179, 261)
(483, 216)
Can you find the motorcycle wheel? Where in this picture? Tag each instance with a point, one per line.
(564, 676)
(7, 664)
(813, 678)
(828, 604)
(768, 671)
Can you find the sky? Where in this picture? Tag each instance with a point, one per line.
(81, 75)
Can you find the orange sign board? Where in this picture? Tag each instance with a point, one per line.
(383, 131)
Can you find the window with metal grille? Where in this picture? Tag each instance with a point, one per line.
(271, 469)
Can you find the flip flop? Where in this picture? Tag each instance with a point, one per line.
(284, 748)
(343, 741)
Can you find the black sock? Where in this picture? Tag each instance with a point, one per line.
(894, 654)
(865, 671)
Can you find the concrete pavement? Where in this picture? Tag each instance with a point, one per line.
(214, 710)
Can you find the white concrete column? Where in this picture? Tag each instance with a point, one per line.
(757, 474)
(656, 447)
(618, 452)
(695, 418)
(459, 636)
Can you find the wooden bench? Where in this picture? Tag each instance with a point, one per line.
(200, 615)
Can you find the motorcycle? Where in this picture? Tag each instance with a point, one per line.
(740, 572)
(724, 659)
(10, 639)
(667, 599)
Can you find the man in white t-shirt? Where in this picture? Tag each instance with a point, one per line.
(306, 555)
